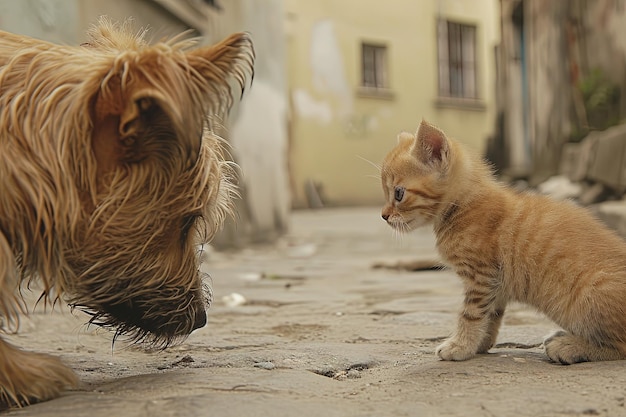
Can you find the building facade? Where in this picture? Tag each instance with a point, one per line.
(361, 72)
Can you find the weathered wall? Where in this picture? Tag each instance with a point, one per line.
(564, 43)
(513, 150)
(54, 20)
(259, 125)
(65, 21)
(257, 128)
(550, 96)
(603, 44)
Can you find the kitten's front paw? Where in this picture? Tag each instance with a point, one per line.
(562, 347)
(451, 350)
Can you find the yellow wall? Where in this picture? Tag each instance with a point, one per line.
(333, 126)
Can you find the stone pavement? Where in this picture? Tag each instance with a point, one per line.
(308, 328)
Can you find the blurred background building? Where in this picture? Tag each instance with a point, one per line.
(561, 75)
(361, 71)
(531, 84)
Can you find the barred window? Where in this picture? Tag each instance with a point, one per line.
(457, 59)
(374, 66)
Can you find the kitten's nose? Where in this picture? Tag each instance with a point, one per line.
(385, 217)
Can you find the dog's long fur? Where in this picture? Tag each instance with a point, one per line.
(110, 177)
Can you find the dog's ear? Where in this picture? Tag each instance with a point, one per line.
(148, 108)
(230, 59)
(131, 124)
(150, 126)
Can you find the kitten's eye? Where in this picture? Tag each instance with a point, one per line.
(398, 193)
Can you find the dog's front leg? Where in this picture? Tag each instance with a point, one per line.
(29, 377)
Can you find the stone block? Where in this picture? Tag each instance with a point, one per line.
(613, 214)
(594, 194)
(577, 157)
(607, 163)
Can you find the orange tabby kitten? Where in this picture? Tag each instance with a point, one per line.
(509, 246)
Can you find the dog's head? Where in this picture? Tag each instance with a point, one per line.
(154, 185)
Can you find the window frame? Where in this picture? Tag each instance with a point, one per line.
(374, 63)
(457, 60)
(378, 84)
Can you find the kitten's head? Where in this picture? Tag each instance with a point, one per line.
(416, 177)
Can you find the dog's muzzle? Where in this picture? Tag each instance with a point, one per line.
(200, 320)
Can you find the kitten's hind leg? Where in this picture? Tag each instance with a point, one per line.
(566, 348)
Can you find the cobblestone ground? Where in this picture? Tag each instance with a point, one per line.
(308, 328)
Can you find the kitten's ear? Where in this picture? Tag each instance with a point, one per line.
(431, 145)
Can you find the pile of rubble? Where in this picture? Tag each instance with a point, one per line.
(593, 173)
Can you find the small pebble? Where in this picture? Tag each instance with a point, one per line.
(265, 365)
(353, 374)
(234, 299)
(302, 251)
(251, 276)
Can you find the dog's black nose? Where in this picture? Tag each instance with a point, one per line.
(385, 217)
(199, 320)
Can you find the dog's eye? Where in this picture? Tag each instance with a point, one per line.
(188, 222)
(398, 193)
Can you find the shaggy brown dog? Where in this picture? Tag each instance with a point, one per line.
(110, 177)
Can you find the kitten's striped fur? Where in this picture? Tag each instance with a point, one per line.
(509, 246)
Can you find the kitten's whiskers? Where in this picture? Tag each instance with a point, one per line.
(375, 165)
